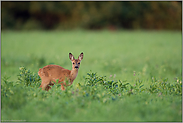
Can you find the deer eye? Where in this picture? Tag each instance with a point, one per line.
(73, 63)
(79, 63)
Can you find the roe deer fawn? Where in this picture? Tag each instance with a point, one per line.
(50, 73)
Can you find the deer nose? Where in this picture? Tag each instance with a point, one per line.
(76, 66)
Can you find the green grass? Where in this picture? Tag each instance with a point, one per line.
(149, 57)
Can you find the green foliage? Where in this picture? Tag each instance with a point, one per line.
(164, 87)
(138, 76)
(91, 15)
(25, 94)
(28, 78)
(11, 93)
(117, 87)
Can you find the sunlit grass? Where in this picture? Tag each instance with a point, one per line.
(125, 56)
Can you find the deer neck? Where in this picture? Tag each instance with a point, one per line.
(73, 74)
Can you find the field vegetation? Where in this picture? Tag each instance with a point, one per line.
(124, 76)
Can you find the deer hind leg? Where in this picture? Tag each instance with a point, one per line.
(44, 85)
(49, 86)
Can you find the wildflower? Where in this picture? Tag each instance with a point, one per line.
(21, 68)
(134, 73)
(114, 75)
(77, 85)
(99, 95)
(26, 71)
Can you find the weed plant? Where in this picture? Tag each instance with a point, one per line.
(24, 99)
(136, 76)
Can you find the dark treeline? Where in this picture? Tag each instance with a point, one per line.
(91, 15)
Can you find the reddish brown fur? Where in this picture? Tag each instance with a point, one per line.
(50, 73)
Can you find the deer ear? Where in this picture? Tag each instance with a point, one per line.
(80, 56)
(71, 57)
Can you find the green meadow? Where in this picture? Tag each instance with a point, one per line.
(124, 76)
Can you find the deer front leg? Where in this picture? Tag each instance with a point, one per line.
(62, 86)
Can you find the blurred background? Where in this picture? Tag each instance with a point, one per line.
(65, 27)
(91, 15)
